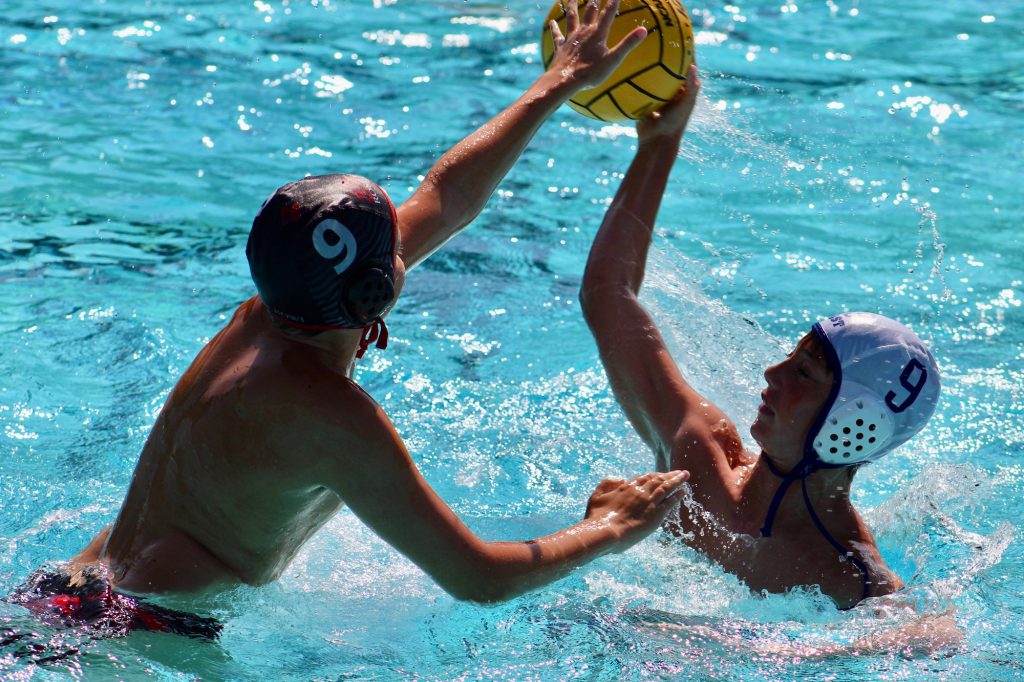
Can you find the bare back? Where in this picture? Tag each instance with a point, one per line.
(225, 478)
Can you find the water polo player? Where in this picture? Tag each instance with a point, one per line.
(856, 386)
(266, 435)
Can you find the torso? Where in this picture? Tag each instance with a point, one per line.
(723, 518)
(223, 492)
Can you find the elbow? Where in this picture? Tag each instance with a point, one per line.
(482, 596)
(590, 307)
(587, 297)
(482, 578)
(481, 590)
(595, 278)
(599, 294)
(591, 293)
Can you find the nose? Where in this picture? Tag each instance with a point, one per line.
(771, 373)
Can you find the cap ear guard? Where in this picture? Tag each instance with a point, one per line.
(368, 293)
(858, 428)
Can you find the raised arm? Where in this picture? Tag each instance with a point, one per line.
(618, 256)
(458, 186)
(667, 413)
(390, 495)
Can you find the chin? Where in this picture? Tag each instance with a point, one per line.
(757, 433)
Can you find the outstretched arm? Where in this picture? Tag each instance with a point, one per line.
(460, 182)
(667, 413)
(919, 635)
(388, 494)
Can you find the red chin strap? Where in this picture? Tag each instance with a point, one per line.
(375, 331)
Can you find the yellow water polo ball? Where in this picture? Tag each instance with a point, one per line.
(650, 75)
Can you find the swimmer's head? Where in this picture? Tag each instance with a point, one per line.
(322, 254)
(885, 385)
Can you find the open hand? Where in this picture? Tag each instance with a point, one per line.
(582, 55)
(636, 507)
(670, 120)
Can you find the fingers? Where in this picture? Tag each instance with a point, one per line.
(626, 45)
(658, 484)
(604, 27)
(693, 75)
(643, 479)
(572, 15)
(670, 486)
(591, 15)
(556, 33)
(661, 487)
(608, 484)
(671, 479)
(671, 119)
(611, 8)
(692, 85)
(689, 88)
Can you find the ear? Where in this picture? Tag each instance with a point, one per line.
(368, 293)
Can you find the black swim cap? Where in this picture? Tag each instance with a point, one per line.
(321, 252)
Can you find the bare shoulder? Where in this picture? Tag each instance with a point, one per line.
(351, 447)
(325, 422)
(848, 584)
(881, 579)
(708, 444)
(725, 434)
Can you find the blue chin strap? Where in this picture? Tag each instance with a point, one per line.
(801, 472)
(812, 463)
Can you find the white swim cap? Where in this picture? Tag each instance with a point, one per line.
(885, 388)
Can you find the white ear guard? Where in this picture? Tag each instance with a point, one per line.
(858, 427)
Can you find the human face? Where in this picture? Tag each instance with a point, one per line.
(797, 390)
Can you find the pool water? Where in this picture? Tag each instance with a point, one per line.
(846, 155)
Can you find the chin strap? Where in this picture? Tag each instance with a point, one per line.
(375, 331)
(800, 472)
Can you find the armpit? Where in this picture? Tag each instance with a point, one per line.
(725, 434)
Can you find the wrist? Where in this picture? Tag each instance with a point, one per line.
(664, 143)
(555, 85)
(607, 529)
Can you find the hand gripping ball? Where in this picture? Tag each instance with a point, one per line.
(650, 75)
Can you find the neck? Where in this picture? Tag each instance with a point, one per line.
(335, 349)
(828, 490)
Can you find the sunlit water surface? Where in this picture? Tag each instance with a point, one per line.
(847, 155)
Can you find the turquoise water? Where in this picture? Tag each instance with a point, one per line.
(848, 155)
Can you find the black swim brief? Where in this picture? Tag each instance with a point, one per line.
(85, 597)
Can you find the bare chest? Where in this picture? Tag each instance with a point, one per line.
(775, 564)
